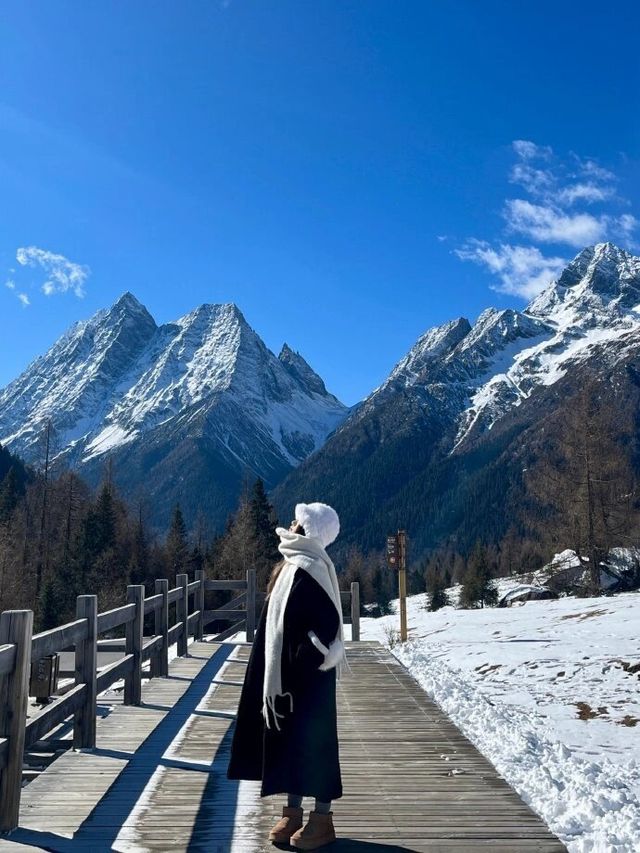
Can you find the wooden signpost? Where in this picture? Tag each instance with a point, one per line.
(397, 559)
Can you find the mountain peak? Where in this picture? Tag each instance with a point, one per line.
(296, 366)
(601, 283)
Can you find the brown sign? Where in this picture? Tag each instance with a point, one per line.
(393, 552)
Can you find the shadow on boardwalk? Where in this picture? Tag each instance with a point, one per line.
(99, 831)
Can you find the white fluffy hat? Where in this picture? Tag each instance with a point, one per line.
(319, 520)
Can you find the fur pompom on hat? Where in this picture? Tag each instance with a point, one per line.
(319, 520)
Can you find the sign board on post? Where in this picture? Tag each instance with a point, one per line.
(397, 559)
(392, 552)
(402, 582)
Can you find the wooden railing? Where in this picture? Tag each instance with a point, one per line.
(19, 646)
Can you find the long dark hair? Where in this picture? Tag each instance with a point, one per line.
(275, 571)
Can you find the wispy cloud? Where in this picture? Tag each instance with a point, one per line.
(22, 297)
(521, 270)
(62, 274)
(570, 202)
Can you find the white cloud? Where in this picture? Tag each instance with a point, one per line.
(627, 224)
(527, 150)
(10, 284)
(585, 191)
(521, 270)
(62, 274)
(572, 202)
(549, 225)
(24, 299)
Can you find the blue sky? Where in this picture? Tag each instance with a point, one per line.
(344, 171)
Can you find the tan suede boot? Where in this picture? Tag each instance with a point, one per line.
(317, 832)
(290, 821)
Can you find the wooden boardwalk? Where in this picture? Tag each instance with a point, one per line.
(157, 778)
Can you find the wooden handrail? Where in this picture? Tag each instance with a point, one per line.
(111, 619)
(152, 603)
(55, 639)
(174, 594)
(18, 647)
(116, 670)
(211, 584)
(7, 658)
(54, 713)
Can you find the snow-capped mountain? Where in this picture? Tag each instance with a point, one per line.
(119, 384)
(460, 379)
(474, 374)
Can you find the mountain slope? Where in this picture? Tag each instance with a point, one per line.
(435, 445)
(184, 410)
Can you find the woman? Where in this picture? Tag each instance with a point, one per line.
(286, 728)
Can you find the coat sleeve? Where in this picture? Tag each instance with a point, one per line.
(314, 624)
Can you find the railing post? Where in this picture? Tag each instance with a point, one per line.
(84, 721)
(199, 604)
(182, 611)
(355, 610)
(133, 645)
(160, 661)
(16, 626)
(251, 605)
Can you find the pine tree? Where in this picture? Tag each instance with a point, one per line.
(477, 586)
(435, 584)
(263, 534)
(9, 494)
(139, 560)
(177, 546)
(49, 606)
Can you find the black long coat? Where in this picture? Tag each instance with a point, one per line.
(301, 758)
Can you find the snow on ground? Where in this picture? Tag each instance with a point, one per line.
(547, 692)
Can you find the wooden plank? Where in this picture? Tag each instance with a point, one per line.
(116, 670)
(53, 714)
(86, 663)
(4, 751)
(194, 586)
(151, 648)
(160, 661)
(182, 612)
(133, 640)
(175, 594)
(251, 604)
(355, 611)
(56, 639)
(111, 619)
(7, 658)
(221, 613)
(198, 603)
(229, 632)
(152, 602)
(174, 633)
(16, 627)
(215, 584)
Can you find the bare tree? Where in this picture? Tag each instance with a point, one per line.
(583, 480)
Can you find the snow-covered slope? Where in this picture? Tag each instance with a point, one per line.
(549, 691)
(113, 379)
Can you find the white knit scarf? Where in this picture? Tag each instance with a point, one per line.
(304, 552)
